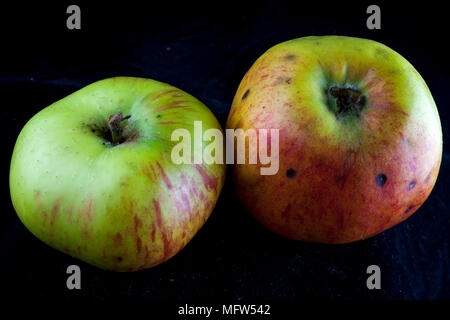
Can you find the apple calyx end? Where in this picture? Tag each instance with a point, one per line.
(346, 100)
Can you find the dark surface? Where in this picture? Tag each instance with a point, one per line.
(205, 50)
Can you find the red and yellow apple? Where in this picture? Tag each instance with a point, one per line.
(92, 174)
(360, 140)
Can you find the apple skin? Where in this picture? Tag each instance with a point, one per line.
(119, 207)
(341, 179)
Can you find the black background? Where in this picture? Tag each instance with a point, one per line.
(205, 49)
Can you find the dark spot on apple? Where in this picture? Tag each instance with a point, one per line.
(411, 185)
(427, 179)
(117, 239)
(290, 57)
(93, 130)
(341, 178)
(408, 142)
(288, 80)
(291, 173)
(381, 179)
(408, 210)
(246, 94)
(119, 259)
(158, 116)
(383, 53)
(285, 213)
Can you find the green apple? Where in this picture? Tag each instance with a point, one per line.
(92, 176)
(360, 140)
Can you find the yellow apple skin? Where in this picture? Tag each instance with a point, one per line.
(345, 176)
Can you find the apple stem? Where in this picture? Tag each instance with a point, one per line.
(115, 128)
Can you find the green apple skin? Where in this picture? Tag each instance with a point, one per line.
(119, 207)
(343, 176)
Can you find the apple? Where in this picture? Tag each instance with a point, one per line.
(92, 176)
(360, 140)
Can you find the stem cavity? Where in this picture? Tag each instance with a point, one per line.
(115, 127)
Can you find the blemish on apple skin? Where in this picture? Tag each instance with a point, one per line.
(148, 171)
(291, 173)
(88, 209)
(44, 220)
(411, 185)
(381, 179)
(117, 239)
(286, 211)
(427, 179)
(70, 212)
(342, 178)
(281, 80)
(407, 142)
(55, 210)
(245, 95)
(290, 57)
(37, 194)
(383, 53)
(119, 259)
(408, 210)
